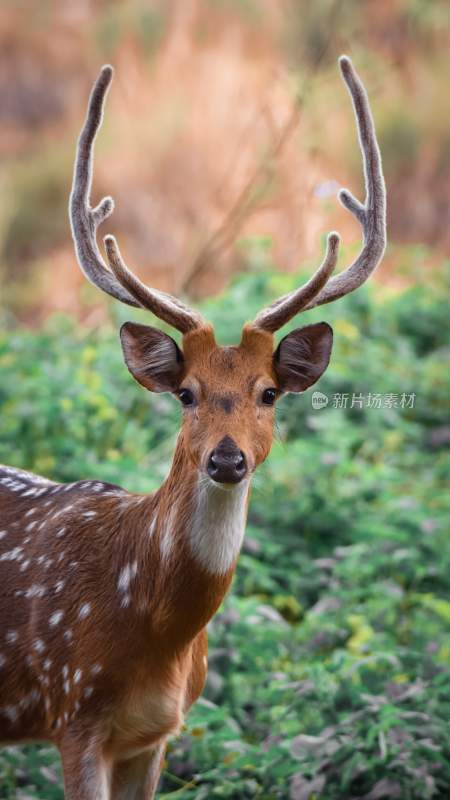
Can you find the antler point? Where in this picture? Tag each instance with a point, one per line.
(333, 239)
(346, 67)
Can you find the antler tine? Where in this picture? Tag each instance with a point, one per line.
(120, 282)
(286, 307)
(166, 307)
(371, 216)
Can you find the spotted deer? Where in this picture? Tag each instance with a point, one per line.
(106, 593)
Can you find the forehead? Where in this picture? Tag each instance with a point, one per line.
(236, 365)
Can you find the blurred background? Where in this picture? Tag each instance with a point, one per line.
(227, 119)
(227, 134)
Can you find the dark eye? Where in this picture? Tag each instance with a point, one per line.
(269, 397)
(186, 397)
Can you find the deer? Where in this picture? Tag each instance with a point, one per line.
(106, 594)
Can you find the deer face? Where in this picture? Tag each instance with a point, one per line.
(228, 394)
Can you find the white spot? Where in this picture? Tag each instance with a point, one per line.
(126, 575)
(48, 563)
(84, 611)
(39, 645)
(11, 712)
(11, 637)
(77, 676)
(56, 618)
(12, 555)
(166, 538)
(68, 635)
(125, 601)
(30, 511)
(30, 493)
(41, 559)
(47, 664)
(3, 534)
(29, 699)
(15, 486)
(89, 514)
(61, 532)
(59, 586)
(65, 671)
(25, 565)
(152, 527)
(31, 525)
(88, 691)
(96, 669)
(67, 687)
(218, 524)
(35, 590)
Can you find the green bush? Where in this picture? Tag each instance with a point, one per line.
(329, 661)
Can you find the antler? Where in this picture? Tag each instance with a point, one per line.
(120, 282)
(371, 216)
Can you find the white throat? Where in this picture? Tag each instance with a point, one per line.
(218, 524)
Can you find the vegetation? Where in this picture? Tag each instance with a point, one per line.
(329, 662)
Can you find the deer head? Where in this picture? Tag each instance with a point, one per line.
(228, 394)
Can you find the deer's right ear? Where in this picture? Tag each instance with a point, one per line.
(153, 358)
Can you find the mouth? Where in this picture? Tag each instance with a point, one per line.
(212, 484)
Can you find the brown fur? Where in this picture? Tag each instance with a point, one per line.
(104, 602)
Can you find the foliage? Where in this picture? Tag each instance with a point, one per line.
(329, 661)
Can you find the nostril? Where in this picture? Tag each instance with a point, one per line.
(225, 466)
(213, 463)
(240, 462)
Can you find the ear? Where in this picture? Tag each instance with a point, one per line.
(302, 356)
(152, 357)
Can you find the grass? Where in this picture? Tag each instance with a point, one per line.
(329, 661)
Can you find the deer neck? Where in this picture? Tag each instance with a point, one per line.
(200, 529)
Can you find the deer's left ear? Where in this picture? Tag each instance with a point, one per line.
(153, 358)
(302, 356)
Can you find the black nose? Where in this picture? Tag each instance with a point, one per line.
(227, 463)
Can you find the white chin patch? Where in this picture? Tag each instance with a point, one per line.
(218, 524)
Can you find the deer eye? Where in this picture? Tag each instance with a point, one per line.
(269, 397)
(186, 397)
